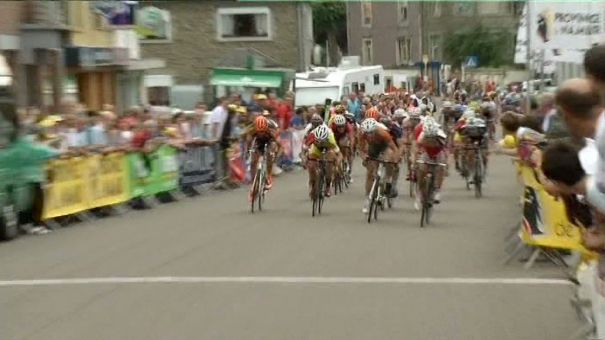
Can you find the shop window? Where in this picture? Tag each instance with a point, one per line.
(252, 23)
(158, 95)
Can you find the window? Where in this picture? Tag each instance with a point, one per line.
(490, 7)
(404, 51)
(376, 79)
(366, 14)
(434, 44)
(389, 83)
(244, 24)
(367, 52)
(355, 87)
(402, 12)
(464, 8)
(436, 9)
(362, 88)
(158, 95)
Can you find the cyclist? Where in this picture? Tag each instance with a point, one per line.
(396, 133)
(376, 141)
(409, 124)
(488, 112)
(344, 133)
(315, 121)
(474, 131)
(322, 139)
(263, 137)
(458, 140)
(431, 147)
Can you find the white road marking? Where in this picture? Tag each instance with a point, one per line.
(286, 280)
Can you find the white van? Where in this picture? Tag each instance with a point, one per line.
(314, 87)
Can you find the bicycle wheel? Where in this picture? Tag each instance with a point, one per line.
(381, 197)
(373, 208)
(426, 203)
(253, 192)
(320, 190)
(261, 190)
(347, 176)
(478, 176)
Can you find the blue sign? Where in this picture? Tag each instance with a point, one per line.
(471, 61)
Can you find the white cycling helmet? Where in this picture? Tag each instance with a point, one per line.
(369, 125)
(415, 112)
(340, 120)
(322, 133)
(430, 128)
(447, 104)
(423, 108)
(399, 113)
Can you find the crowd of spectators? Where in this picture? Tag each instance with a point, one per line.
(563, 140)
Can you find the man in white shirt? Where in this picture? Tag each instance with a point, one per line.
(219, 118)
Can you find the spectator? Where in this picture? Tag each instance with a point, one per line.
(143, 133)
(219, 118)
(284, 113)
(580, 106)
(96, 133)
(354, 106)
(594, 65)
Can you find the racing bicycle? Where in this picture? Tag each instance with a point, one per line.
(428, 191)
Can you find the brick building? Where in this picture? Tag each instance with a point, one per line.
(200, 35)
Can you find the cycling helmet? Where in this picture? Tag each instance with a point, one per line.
(415, 113)
(340, 120)
(340, 109)
(447, 104)
(372, 112)
(321, 133)
(261, 123)
(369, 125)
(430, 128)
(423, 109)
(316, 119)
(399, 113)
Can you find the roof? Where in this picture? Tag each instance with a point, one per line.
(333, 76)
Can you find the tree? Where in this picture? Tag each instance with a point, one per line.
(494, 49)
(330, 24)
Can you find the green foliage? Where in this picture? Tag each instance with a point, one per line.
(494, 49)
(328, 17)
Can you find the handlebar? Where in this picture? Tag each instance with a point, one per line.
(431, 163)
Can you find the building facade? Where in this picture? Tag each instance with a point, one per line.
(197, 36)
(385, 33)
(439, 19)
(400, 33)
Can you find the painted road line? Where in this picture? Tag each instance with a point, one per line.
(285, 280)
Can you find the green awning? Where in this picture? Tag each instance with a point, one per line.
(246, 80)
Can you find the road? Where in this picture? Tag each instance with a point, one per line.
(205, 268)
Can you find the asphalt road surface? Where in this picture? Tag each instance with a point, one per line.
(205, 268)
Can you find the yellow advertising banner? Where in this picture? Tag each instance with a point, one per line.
(545, 221)
(107, 180)
(66, 191)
